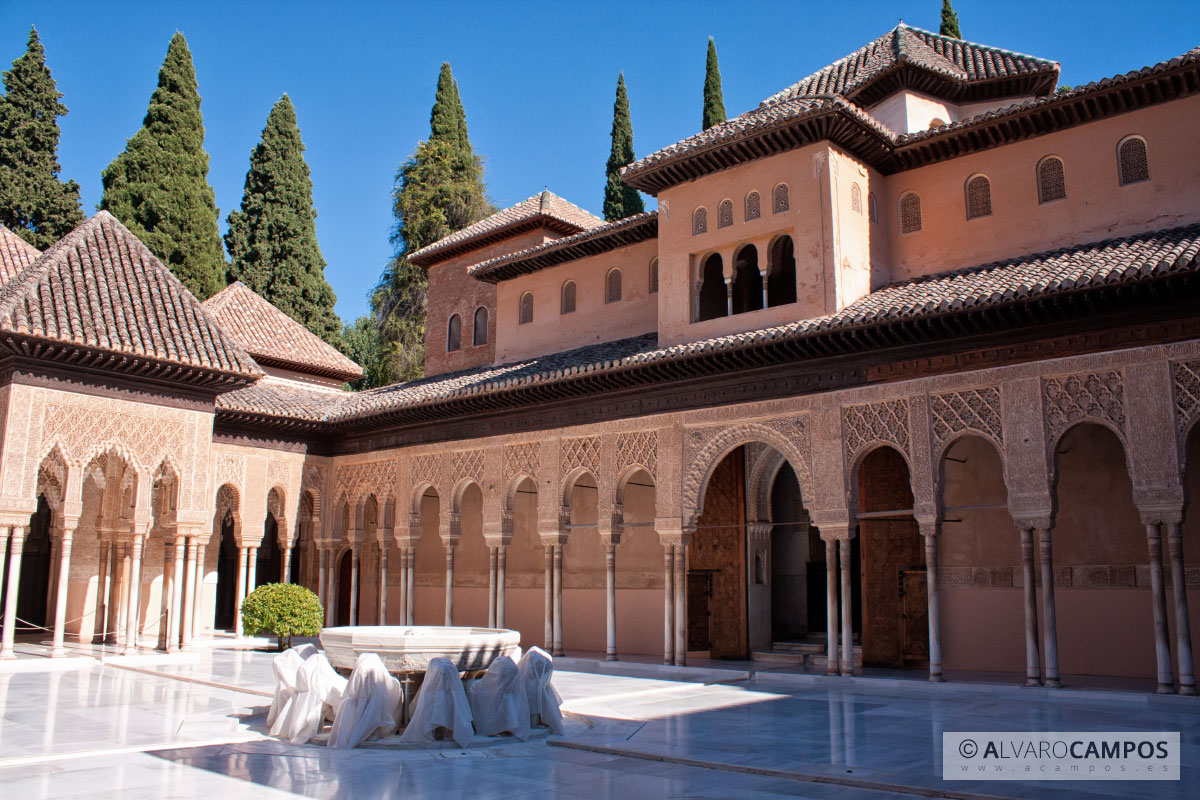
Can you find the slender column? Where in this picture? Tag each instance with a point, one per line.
(135, 589)
(492, 586)
(10, 598)
(403, 587)
(558, 600)
(501, 558)
(931, 589)
(191, 593)
(548, 634)
(449, 585)
(121, 590)
(1183, 631)
(1049, 621)
(60, 604)
(610, 558)
(286, 570)
(176, 607)
(322, 558)
(383, 565)
(251, 570)
(165, 612)
(331, 594)
(668, 604)
(763, 274)
(681, 605)
(1033, 661)
(831, 607)
(241, 591)
(354, 584)
(729, 297)
(197, 586)
(410, 560)
(1158, 599)
(847, 611)
(101, 584)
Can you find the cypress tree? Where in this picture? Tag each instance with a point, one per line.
(34, 203)
(272, 240)
(714, 103)
(620, 200)
(158, 187)
(949, 21)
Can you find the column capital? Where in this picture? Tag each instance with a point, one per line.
(1037, 522)
(759, 531)
(1160, 513)
(553, 537)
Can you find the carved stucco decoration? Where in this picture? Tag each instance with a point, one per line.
(976, 410)
(149, 437)
(581, 451)
(427, 469)
(1095, 396)
(278, 474)
(1187, 394)
(875, 423)
(356, 481)
(639, 448)
(467, 464)
(230, 468)
(521, 459)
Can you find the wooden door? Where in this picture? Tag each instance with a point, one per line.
(914, 618)
(699, 613)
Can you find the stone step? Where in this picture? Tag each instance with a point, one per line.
(798, 647)
(779, 657)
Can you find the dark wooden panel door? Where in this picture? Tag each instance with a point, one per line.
(914, 618)
(699, 611)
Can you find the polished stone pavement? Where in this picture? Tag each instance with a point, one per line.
(192, 726)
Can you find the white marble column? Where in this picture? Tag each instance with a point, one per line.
(135, 591)
(1183, 631)
(403, 586)
(847, 609)
(831, 607)
(681, 604)
(548, 634)
(1049, 616)
(383, 578)
(285, 569)
(99, 622)
(501, 558)
(17, 545)
(492, 565)
(251, 571)
(1033, 659)
(558, 599)
(449, 584)
(410, 570)
(121, 590)
(354, 584)
(241, 592)
(668, 604)
(322, 589)
(762, 273)
(1158, 602)
(929, 532)
(191, 592)
(64, 575)
(610, 606)
(728, 296)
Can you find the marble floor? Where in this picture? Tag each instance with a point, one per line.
(192, 726)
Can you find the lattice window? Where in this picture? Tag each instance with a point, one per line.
(855, 198)
(910, 213)
(699, 221)
(567, 304)
(454, 333)
(1052, 180)
(479, 334)
(872, 207)
(725, 214)
(526, 314)
(979, 197)
(612, 286)
(1132, 162)
(753, 206)
(654, 276)
(780, 201)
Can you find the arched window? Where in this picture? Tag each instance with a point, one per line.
(781, 272)
(753, 206)
(612, 286)
(780, 202)
(700, 221)
(479, 331)
(526, 314)
(1131, 160)
(1052, 180)
(747, 281)
(855, 198)
(910, 213)
(725, 214)
(654, 276)
(979, 197)
(712, 301)
(567, 304)
(872, 207)
(454, 333)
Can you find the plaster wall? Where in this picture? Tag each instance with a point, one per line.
(908, 112)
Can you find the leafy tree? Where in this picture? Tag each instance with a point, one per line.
(438, 190)
(34, 203)
(714, 103)
(949, 21)
(158, 187)
(272, 240)
(362, 343)
(284, 609)
(620, 199)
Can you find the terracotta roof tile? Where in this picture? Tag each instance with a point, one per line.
(546, 206)
(274, 338)
(15, 254)
(284, 399)
(101, 288)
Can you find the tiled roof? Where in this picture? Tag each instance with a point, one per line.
(545, 208)
(100, 289)
(283, 399)
(274, 338)
(15, 254)
(954, 59)
(601, 239)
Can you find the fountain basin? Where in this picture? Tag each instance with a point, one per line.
(409, 648)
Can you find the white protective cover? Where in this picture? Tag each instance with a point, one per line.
(536, 668)
(370, 704)
(287, 665)
(498, 701)
(318, 687)
(441, 702)
(306, 650)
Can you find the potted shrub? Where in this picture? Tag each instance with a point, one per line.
(283, 609)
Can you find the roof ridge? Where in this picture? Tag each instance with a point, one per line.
(988, 47)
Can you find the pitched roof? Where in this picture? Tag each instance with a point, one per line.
(15, 254)
(545, 209)
(281, 399)
(601, 239)
(100, 297)
(272, 337)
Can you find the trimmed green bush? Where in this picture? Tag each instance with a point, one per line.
(283, 609)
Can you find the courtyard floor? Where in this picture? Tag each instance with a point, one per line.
(193, 726)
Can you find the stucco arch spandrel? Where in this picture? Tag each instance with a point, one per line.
(1086, 397)
(1185, 377)
(872, 425)
(976, 411)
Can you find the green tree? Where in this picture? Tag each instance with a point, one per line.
(272, 240)
(620, 200)
(361, 342)
(949, 21)
(158, 187)
(34, 203)
(714, 103)
(438, 190)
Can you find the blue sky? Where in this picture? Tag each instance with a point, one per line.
(537, 80)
